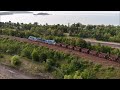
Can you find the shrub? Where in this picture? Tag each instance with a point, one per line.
(65, 76)
(15, 60)
(1, 56)
(50, 62)
(77, 75)
(47, 67)
(88, 74)
(97, 67)
(35, 55)
(26, 52)
(42, 57)
(111, 68)
(68, 77)
(58, 74)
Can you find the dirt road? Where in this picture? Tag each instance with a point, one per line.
(111, 44)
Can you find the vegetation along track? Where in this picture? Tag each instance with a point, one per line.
(85, 56)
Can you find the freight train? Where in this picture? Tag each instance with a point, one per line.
(110, 57)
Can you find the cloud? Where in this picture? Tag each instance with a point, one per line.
(19, 12)
(42, 14)
(14, 12)
(6, 13)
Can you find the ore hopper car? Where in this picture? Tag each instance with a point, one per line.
(84, 50)
(65, 46)
(71, 47)
(92, 52)
(103, 55)
(113, 58)
(77, 48)
(58, 44)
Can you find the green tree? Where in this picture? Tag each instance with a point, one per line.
(26, 52)
(35, 55)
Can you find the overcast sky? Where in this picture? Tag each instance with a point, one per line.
(65, 17)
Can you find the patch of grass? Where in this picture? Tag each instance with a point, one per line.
(5, 59)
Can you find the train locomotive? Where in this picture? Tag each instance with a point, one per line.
(32, 38)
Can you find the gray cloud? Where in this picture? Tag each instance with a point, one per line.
(42, 14)
(14, 12)
(22, 12)
(6, 13)
(19, 12)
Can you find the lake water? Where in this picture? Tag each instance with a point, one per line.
(101, 18)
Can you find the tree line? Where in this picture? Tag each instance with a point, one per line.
(99, 32)
(56, 32)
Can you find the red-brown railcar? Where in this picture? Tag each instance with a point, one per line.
(58, 44)
(118, 60)
(84, 50)
(103, 55)
(77, 48)
(71, 47)
(92, 52)
(65, 46)
(113, 57)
